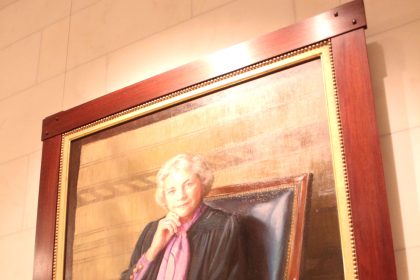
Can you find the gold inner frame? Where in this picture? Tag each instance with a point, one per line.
(321, 50)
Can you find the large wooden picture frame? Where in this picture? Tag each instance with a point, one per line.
(294, 101)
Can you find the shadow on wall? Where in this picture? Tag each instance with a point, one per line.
(383, 101)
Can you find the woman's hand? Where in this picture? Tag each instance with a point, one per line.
(167, 227)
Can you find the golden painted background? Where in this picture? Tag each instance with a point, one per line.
(273, 126)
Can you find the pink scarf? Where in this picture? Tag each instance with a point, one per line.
(177, 254)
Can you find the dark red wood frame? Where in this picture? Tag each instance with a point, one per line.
(372, 234)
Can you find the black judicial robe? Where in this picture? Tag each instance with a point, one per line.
(216, 249)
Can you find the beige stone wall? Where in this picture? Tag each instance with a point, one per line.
(55, 54)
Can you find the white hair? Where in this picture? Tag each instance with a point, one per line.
(196, 164)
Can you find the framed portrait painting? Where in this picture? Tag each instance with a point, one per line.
(286, 126)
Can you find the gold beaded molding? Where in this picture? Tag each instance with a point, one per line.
(321, 50)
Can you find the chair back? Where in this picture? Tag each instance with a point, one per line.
(273, 217)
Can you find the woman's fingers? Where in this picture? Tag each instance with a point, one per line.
(167, 227)
(173, 217)
(170, 226)
(170, 223)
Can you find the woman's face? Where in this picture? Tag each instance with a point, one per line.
(183, 193)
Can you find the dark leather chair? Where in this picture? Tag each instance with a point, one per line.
(273, 217)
